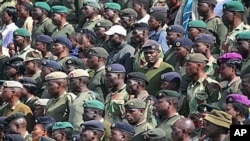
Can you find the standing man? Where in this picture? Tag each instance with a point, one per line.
(118, 96)
(141, 7)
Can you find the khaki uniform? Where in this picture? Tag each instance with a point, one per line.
(20, 107)
(90, 24)
(169, 57)
(211, 67)
(64, 32)
(62, 61)
(58, 108)
(245, 66)
(24, 52)
(140, 129)
(107, 131)
(114, 105)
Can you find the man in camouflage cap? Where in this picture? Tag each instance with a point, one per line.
(234, 23)
(134, 114)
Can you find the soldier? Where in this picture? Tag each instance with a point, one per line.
(141, 7)
(43, 24)
(90, 10)
(123, 53)
(64, 129)
(43, 44)
(58, 106)
(156, 134)
(173, 32)
(122, 131)
(240, 104)
(135, 109)
(22, 42)
(16, 123)
(201, 89)
(93, 110)
(58, 16)
(214, 23)
(15, 68)
(245, 85)
(78, 80)
(196, 27)
(243, 39)
(118, 96)
(186, 127)
(234, 24)
(96, 61)
(167, 110)
(73, 63)
(155, 66)
(111, 12)
(92, 129)
(229, 67)
(40, 107)
(204, 43)
(60, 49)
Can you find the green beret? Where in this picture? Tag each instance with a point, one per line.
(22, 32)
(236, 6)
(92, 3)
(61, 125)
(135, 104)
(167, 93)
(59, 9)
(245, 35)
(112, 5)
(197, 24)
(94, 104)
(155, 134)
(197, 57)
(43, 5)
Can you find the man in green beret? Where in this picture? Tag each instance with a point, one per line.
(243, 40)
(111, 12)
(59, 19)
(43, 24)
(196, 27)
(167, 109)
(134, 114)
(232, 18)
(202, 89)
(22, 42)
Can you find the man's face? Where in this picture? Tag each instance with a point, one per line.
(162, 106)
(87, 135)
(10, 72)
(192, 33)
(87, 11)
(12, 128)
(56, 18)
(40, 46)
(243, 47)
(151, 56)
(132, 86)
(171, 37)
(203, 9)
(133, 116)
(115, 40)
(137, 37)
(108, 14)
(69, 68)
(36, 13)
(191, 68)
(231, 111)
(30, 67)
(225, 71)
(39, 111)
(116, 135)
(57, 49)
(88, 114)
(37, 132)
(18, 40)
(44, 72)
(245, 87)
(200, 48)
(53, 87)
(180, 53)
(74, 84)
(136, 6)
(125, 21)
(99, 31)
(57, 135)
(92, 61)
(165, 85)
(211, 130)
(7, 94)
(176, 133)
(153, 23)
(227, 17)
(112, 79)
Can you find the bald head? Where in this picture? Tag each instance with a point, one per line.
(185, 124)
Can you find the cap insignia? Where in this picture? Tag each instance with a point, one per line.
(151, 10)
(205, 109)
(160, 94)
(113, 125)
(162, 76)
(131, 103)
(178, 44)
(69, 61)
(145, 137)
(98, 24)
(230, 99)
(153, 47)
(109, 68)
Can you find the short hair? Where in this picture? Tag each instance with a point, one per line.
(145, 3)
(173, 100)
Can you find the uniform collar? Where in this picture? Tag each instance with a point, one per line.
(234, 80)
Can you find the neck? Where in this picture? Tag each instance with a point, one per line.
(29, 96)
(59, 94)
(62, 55)
(208, 15)
(199, 75)
(169, 114)
(84, 88)
(230, 79)
(41, 19)
(235, 24)
(22, 132)
(142, 13)
(101, 64)
(141, 93)
(118, 87)
(13, 102)
(61, 26)
(97, 117)
(208, 54)
(23, 46)
(93, 16)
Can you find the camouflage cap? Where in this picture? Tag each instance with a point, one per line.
(128, 12)
(135, 104)
(235, 6)
(33, 55)
(167, 93)
(98, 51)
(61, 125)
(78, 73)
(112, 5)
(197, 58)
(219, 118)
(104, 23)
(245, 35)
(55, 75)
(94, 104)
(59, 9)
(155, 134)
(197, 24)
(21, 32)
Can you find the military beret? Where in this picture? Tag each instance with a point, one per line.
(204, 108)
(12, 117)
(219, 118)
(44, 39)
(155, 134)
(104, 23)
(14, 60)
(128, 12)
(61, 125)
(55, 75)
(90, 33)
(43, 5)
(183, 42)
(205, 38)
(33, 55)
(28, 81)
(41, 102)
(21, 32)
(51, 64)
(65, 41)
(75, 62)
(112, 5)
(197, 24)
(13, 137)
(76, 137)
(116, 29)
(140, 26)
(213, 2)
(59, 9)
(135, 104)
(115, 68)
(92, 3)
(124, 127)
(138, 76)
(176, 28)
(45, 120)
(238, 98)
(171, 77)
(12, 84)
(161, 9)
(167, 93)
(1, 121)
(236, 6)
(197, 57)
(98, 51)
(245, 35)
(93, 125)
(78, 73)
(151, 44)
(94, 104)
(228, 57)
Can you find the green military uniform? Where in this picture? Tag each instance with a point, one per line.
(211, 67)
(28, 137)
(90, 24)
(140, 129)
(154, 134)
(245, 66)
(169, 57)
(64, 32)
(107, 132)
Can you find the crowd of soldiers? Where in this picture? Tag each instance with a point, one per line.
(123, 70)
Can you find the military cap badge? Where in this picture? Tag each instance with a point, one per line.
(151, 10)
(178, 44)
(162, 76)
(113, 125)
(98, 24)
(109, 68)
(132, 103)
(153, 47)
(230, 99)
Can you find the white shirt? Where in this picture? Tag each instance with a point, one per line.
(7, 33)
(144, 19)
